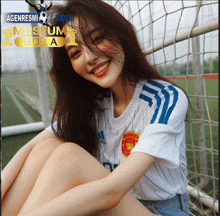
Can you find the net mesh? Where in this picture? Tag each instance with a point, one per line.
(177, 40)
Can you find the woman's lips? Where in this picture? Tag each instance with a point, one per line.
(103, 72)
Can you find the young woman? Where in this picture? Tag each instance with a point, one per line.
(113, 110)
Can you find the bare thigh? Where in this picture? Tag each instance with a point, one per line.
(68, 166)
(19, 191)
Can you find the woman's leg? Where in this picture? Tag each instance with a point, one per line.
(68, 166)
(17, 194)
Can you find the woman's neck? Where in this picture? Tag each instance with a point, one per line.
(121, 97)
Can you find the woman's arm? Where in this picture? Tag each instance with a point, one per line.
(98, 195)
(12, 169)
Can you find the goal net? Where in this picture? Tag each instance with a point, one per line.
(180, 38)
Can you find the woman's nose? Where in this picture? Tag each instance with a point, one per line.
(90, 56)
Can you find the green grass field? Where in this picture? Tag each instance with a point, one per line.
(10, 115)
(28, 82)
(211, 136)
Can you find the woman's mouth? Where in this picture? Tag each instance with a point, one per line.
(101, 71)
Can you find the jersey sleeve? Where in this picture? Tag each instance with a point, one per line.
(164, 132)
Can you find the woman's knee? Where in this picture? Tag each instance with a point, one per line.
(42, 151)
(83, 163)
(69, 148)
(67, 151)
(46, 146)
(62, 166)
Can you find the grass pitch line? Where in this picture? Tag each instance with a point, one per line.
(34, 102)
(22, 110)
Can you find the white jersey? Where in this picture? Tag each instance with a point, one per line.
(153, 123)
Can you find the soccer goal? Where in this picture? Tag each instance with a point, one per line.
(180, 38)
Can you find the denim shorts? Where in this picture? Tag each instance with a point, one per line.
(177, 206)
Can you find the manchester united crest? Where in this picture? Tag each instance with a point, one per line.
(129, 140)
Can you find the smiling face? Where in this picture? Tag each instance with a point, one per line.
(101, 65)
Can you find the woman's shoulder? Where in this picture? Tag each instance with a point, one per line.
(156, 94)
(156, 82)
(155, 87)
(164, 102)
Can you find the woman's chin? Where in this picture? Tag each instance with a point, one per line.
(105, 83)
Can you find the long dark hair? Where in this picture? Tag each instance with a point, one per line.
(77, 99)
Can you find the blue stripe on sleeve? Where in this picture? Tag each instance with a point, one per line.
(146, 98)
(152, 91)
(165, 113)
(166, 96)
(149, 100)
(165, 106)
(175, 98)
(157, 109)
(156, 84)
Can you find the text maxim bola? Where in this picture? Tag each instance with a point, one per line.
(49, 37)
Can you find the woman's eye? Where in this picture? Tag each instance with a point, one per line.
(74, 54)
(97, 40)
